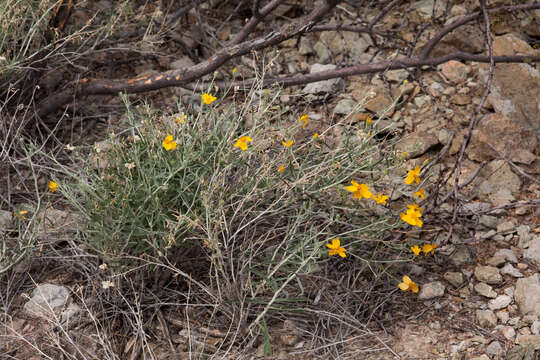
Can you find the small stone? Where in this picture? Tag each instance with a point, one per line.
(510, 291)
(503, 316)
(522, 266)
(495, 349)
(461, 256)
(527, 294)
(520, 353)
(325, 86)
(508, 332)
(513, 321)
(530, 318)
(535, 327)
(47, 297)
(436, 325)
(524, 233)
(455, 71)
(496, 261)
(500, 302)
(306, 46)
(454, 278)
(485, 290)
(416, 144)
(486, 318)
(507, 227)
(508, 269)
(508, 255)
(431, 290)
(488, 274)
(488, 221)
(532, 254)
(529, 340)
(6, 218)
(345, 106)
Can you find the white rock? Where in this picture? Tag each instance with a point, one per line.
(500, 302)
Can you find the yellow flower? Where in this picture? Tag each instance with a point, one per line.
(208, 98)
(380, 199)
(242, 142)
(429, 248)
(335, 248)
(20, 214)
(415, 207)
(408, 285)
(368, 120)
(281, 169)
(404, 154)
(53, 186)
(304, 120)
(287, 143)
(416, 249)
(412, 176)
(179, 120)
(412, 217)
(234, 70)
(169, 143)
(420, 193)
(315, 136)
(359, 190)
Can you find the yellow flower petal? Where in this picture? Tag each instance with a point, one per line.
(413, 176)
(208, 98)
(281, 169)
(315, 136)
(420, 193)
(380, 199)
(169, 144)
(287, 143)
(416, 249)
(53, 186)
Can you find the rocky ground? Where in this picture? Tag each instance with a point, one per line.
(483, 299)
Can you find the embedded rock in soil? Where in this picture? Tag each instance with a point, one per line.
(495, 176)
(485, 290)
(500, 302)
(325, 86)
(508, 255)
(532, 254)
(529, 340)
(488, 274)
(416, 144)
(454, 278)
(6, 218)
(527, 294)
(455, 71)
(46, 298)
(515, 87)
(486, 318)
(505, 135)
(508, 269)
(461, 256)
(431, 290)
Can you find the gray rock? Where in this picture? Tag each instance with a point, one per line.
(507, 227)
(508, 269)
(508, 332)
(488, 274)
(6, 219)
(345, 106)
(485, 290)
(496, 261)
(325, 86)
(535, 327)
(515, 87)
(503, 317)
(506, 136)
(495, 176)
(495, 349)
(527, 294)
(532, 254)
(47, 298)
(476, 207)
(306, 46)
(486, 318)
(461, 256)
(529, 340)
(524, 233)
(454, 278)
(431, 290)
(425, 8)
(521, 353)
(488, 221)
(416, 144)
(500, 302)
(508, 255)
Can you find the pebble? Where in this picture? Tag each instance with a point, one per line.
(508, 269)
(495, 349)
(503, 316)
(496, 261)
(500, 302)
(488, 274)
(508, 255)
(508, 332)
(485, 290)
(486, 318)
(535, 327)
(454, 278)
